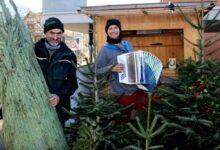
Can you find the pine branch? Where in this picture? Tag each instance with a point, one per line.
(212, 42)
(188, 19)
(194, 44)
(140, 134)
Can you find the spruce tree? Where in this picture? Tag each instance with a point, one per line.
(190, 102)
(97, 114)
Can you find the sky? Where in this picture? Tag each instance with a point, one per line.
(36, 5)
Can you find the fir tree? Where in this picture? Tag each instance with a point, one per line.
(96, 115)
(190, 102)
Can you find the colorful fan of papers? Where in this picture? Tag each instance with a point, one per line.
(141, 68)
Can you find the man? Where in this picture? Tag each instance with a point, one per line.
(56, 61)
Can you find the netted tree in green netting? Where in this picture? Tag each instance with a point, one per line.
(29, 122)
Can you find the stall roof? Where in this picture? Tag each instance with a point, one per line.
(213, 16)
(145, 8)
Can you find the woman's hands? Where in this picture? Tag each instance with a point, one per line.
(118, 68)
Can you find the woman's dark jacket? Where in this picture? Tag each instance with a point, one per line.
(59, 73)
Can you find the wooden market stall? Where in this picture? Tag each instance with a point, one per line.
(154, 27)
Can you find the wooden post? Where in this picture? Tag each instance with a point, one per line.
(148, 140)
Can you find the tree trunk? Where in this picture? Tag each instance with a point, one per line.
(29, 122)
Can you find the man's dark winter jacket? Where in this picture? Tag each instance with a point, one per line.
(59, 73)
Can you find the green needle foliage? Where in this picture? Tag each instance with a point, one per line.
(190, 102)
(96, 116)
(89, 137)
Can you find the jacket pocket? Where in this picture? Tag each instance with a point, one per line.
(60, 69)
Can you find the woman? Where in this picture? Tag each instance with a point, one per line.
(107, 56)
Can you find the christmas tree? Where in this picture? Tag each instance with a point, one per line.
(190, 102)
(97, 115)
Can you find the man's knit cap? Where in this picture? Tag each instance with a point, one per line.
(53, 23)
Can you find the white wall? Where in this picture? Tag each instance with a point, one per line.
(62, 5)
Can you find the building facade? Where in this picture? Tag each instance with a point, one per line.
(62, 6)
(213, 30)
(34, 25)
(155, 28)
(76, 25)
